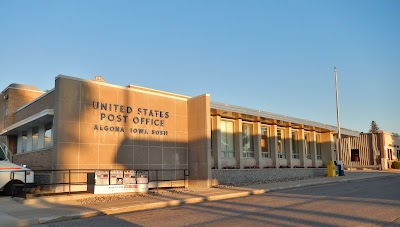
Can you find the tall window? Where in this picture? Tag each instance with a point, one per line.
(265, 153)
(319, 148)
(35, 138)
(247, 139)
(281, 151)
(295, 145)
(24, 141)
(211, 126)
(307, 145)
(48, 140)
(227, 147)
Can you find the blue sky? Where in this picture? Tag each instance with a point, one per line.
(276, 56)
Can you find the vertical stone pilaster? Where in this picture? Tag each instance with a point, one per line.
(384, 156)
(41, 137)
(313, 149)
(199, 130)
(327, 147)
(257, 143)
(289, 145)
(302, 149)
(216, 142)
(29, 141)
(238, 142)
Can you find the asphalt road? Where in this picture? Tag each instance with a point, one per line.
(370, 202)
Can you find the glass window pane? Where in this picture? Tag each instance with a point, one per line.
(247, 139)
(211, 126)
(48, 141)
(280, 135)
(264, 142)
(227, 147)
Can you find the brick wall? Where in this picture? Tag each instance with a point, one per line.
(36, 160)
(46, 102)
(232, 176)
(16, 99)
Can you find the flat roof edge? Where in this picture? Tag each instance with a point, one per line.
(27, 120)
(25, 89)
(260, 113)
(129, 87)
(158, 91)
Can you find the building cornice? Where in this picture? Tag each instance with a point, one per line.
(130, 88)
(260, 113)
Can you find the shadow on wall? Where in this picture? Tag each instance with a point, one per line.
(103, 127)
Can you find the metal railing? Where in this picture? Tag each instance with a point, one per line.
(18, 184)
(68, 178)
(7, 152)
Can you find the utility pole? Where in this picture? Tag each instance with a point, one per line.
(339, 156)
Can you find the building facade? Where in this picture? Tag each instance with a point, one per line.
(371, 149)
(85, 124)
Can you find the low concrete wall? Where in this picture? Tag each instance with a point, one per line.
(232, 176)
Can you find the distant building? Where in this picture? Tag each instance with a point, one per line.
(84, 124)
(380, 149)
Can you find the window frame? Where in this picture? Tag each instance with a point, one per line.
(282, 154)
(266, 153)
(250, 152)
(295, 144)
(211, 136)
(46, 128)
(226, 153)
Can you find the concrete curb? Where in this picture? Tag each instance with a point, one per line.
(7, 220)
(171, 203)
(323, 182)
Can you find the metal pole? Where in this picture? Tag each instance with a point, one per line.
(25, 185)
(338, 118)
(12, 185)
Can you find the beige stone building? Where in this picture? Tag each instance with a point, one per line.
(86, 124)
(371, 149)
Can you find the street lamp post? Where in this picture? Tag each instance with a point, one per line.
(339, 156)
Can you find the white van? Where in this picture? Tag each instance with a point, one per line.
(11, 173)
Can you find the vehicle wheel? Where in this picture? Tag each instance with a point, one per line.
(8, 189)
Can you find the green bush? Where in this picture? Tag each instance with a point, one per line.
(396, 165)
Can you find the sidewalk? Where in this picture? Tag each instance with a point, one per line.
(18, 212)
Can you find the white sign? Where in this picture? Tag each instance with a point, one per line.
(111, 189)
